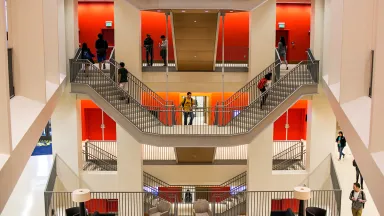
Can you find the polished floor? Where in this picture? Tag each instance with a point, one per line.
(347, 176)
(27, 198)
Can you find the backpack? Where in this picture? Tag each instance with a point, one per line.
(362, 195)
(184, 101)
(87, 55)
(262, 83)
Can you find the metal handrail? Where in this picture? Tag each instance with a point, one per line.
(278, 55)
(107, 154)
(272, 89)
(290, 149)
(288, 161)
(252, 83)
(110, 167)
(138, 82)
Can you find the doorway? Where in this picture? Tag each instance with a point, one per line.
(99, 125)
(290, 126)
(283, 33)
(201, 116)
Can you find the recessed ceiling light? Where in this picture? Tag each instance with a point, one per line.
(195, 21)
(183, 11)
(231, 11)
(195, 56)
(206, 11)
(158, 10)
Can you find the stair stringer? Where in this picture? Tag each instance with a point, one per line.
(185, 140)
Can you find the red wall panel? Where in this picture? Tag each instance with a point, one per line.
(154, 23)
(92, 17)
(297, 18)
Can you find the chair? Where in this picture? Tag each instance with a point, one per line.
(162, 209)
(283, 213)
(75, 211)
(201, 208)
(314, 211)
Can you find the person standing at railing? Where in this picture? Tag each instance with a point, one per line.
(187, 106)
(123, 78)
(263, 85)
(101, 46)
(282, 48)
(163, 49)
(341, 143)
(148, 45)
(358, 199)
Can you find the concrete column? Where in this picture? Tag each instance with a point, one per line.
(71, 30)
(262, 37)
(333, 39)
(5, 125)
(321, 128)
(357, 34)
(376, 144)
(128, 36)
(317, 26)
(129, 162)
(259, 172)
(35, 47)
(51, 41)
(260, 161)
(66, 131)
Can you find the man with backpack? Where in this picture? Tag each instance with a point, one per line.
(101, 46)
(123, 78)
(358, 174)
(187, 106)
(358, 199)
(263, 85)
(148, 45)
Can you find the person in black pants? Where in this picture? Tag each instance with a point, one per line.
(263, 86)
(358, 174)
(341, 143)
(163, 49)
(148, 44)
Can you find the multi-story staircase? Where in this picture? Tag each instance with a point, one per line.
(152, 120)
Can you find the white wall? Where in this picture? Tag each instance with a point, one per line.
(195, 174)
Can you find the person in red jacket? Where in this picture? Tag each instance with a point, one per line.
(263, 86)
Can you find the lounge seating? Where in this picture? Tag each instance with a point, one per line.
(314, 211)
(162, 209)
(283, 213)
(201, 208)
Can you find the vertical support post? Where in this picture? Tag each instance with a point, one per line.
(86, 151)
(222, 57)
(302, 151)
(167, 54)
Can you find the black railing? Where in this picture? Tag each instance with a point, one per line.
(372, 69)
(290, 158)
(224, 203)
(10, 73)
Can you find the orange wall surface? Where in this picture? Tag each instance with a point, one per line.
(92, 17)
(297, 18)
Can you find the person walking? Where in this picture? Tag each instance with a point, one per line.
(101, 46)
(341, 143)
(263, 85)
(358, 199)
(358, 174)
(148, 45)
(187, 106)
(282, 49)
(123, 78)
(163, 49)
(87, 54)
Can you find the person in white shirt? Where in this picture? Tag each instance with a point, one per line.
(163, 49)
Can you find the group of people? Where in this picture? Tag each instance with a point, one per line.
(148, 45)
(357, 195)
(101, 46)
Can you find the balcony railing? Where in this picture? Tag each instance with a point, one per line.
(260, 203)
(10, 73)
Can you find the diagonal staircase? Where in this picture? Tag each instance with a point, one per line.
(152, 120)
